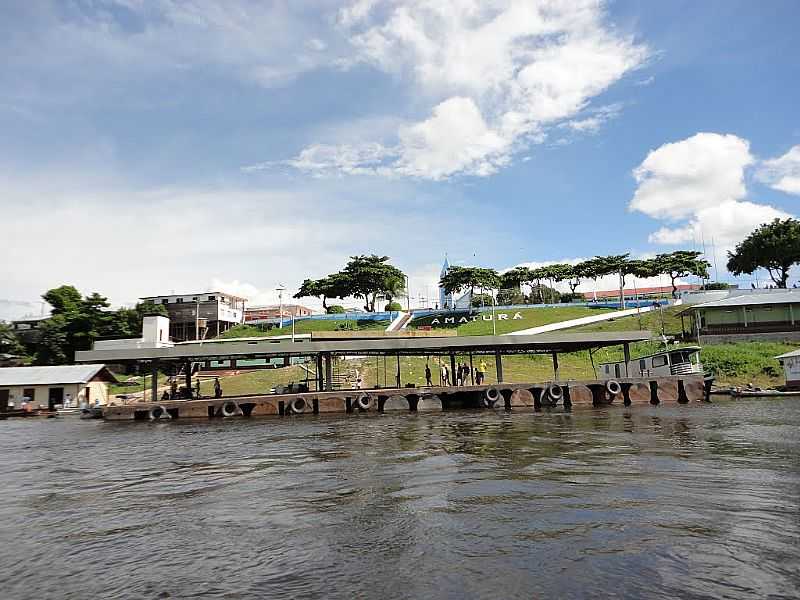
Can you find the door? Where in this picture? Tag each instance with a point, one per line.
(55, 396)
(3, 400)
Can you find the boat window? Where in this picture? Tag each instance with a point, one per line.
(616, 370)
(642, 364)
(659, 361)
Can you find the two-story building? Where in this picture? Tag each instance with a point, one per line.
(201, 315)
(274, 311)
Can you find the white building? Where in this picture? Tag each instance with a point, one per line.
(48, 387)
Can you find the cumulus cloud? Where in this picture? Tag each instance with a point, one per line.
(496, 75)
(698, 186)
(782, 173)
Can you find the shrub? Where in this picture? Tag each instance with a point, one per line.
(576, 297)
(393, 306)
(508, 297)
(481, 300)
(336, 310)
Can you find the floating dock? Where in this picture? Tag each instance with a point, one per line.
(558, 393)
(516, 397)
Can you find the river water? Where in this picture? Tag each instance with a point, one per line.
(692, 501)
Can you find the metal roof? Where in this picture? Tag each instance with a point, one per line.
(49, 375)
(791, 296)
(418, 346)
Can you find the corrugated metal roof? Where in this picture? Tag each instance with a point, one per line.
(773, 297)
(415, 346)
(48, 375)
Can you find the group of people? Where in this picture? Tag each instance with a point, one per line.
(461, 376)
(185, 393)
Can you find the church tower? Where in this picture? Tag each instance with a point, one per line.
(445, 299)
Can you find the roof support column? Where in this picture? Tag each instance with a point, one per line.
(452, 369)
(397, 376)
(187, 367)
(319, 372)
(555, 366)
(471, 370)
(791, 314)
(744, 312)
(154, 381)
(328, 372)
(498, 361)
(626, 351)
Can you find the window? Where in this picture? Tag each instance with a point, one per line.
(179, 300)
(616, 370)
(30, 394)
(659, 361)
(165, 301)
(210, 298)
(642, 364)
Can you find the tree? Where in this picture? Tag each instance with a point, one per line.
(556, 273)
(773, 246)
(681, 263)
(458, 279)
(64, 299)
(367, 276)
(9, 343)
(514, 278)
(332, 286)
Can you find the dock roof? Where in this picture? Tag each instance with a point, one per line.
(411, 346)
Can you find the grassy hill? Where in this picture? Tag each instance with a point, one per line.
(306, 326)
(531, 317)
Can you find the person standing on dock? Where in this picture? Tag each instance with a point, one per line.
(445, 375)
(428, 375)
(217, 388)
(481, 374)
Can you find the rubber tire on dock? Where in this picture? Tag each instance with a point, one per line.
(158, 413)
(297, 406)
(226, 411)
(492, 396)
(363, 402)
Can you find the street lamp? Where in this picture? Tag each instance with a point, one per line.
(280, 289)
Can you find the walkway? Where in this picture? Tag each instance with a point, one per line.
(582, 321)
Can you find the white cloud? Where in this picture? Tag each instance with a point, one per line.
(677, 179)
(782, 173)
(595, 120)
(496, 75)
(698, 185)
(727, 224)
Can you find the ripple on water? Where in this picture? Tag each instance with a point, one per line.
(699, 501)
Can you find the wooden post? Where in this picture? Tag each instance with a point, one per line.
(791, 314)
(498, 361)
(555, 365)
(154, 382)
(744, 312)
(626, 351)
(328, 372)
(452, 369)
(471, 370)
(398, 371)
(319, 373)
(188, 376)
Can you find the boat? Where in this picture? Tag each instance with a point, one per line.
(758, 393)
(92, 412)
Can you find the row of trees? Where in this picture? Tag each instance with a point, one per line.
(681, 263)
(76, 321)
(365, 276)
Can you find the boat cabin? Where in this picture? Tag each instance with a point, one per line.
(680, 361)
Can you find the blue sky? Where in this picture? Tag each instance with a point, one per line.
(151, 146)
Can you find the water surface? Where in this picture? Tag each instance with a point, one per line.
(687, 501)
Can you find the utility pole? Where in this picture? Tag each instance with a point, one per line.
(280, 289)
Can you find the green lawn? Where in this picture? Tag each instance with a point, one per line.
(306, 326)
(531, 317)
(651, 321)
